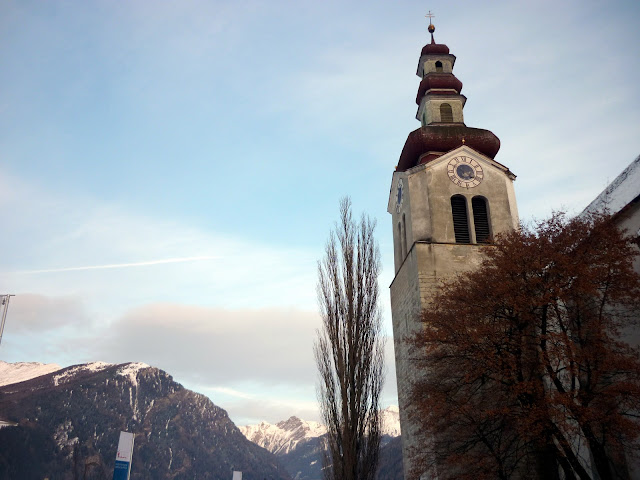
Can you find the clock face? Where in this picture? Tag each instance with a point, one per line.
(399, 195)
(465, 172)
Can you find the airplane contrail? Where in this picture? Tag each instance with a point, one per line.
(232, 392)
(121, 265)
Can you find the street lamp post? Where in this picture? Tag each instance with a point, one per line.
(5, 307)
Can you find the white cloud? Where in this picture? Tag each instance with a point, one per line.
(214, 346)
(37, 313)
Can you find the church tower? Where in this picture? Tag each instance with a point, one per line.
(449, 198)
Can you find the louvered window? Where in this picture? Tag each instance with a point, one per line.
(446, 114)
(438, 66)
(460, 219)
(481, 219)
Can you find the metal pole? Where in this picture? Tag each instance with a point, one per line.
(5, 304)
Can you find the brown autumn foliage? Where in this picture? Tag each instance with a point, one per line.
(526, 370)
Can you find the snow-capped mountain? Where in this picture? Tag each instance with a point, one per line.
(297, 443)
(391, 421)
(66, 424)
(284, 436)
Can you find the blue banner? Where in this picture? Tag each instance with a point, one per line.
(121, 472)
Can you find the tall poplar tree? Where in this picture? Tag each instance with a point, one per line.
(349, 349)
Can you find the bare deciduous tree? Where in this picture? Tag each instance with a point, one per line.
(529, 373)
(349, 349)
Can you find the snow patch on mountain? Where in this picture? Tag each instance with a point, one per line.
(131, 370)
(85, 367)
(22, 371)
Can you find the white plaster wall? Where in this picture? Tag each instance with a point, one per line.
(427, 64)
(430, 107)
(428, 192)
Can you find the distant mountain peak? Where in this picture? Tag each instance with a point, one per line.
(298, 443)
(290, 424)
(284, 436)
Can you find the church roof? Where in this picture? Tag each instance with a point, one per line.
(438, 81)
(625, 189)
(444, 138)
(434, 48)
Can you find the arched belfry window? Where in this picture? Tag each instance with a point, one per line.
(400, 252)
(481, 219)
(438, 66)
(460, 219)
(446, 114)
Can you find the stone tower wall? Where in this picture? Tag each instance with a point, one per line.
(430, 264)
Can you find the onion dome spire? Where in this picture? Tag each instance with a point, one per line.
(433, 47)
(440, 111)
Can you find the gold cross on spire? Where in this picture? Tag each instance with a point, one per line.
(431, 28)
(430, 16)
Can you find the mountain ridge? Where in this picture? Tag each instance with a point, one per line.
(294, 444)
(68, 421)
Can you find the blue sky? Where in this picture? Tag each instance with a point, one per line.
(169, 171)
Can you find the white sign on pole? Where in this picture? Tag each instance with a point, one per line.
(237, 476)
(122, 469)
